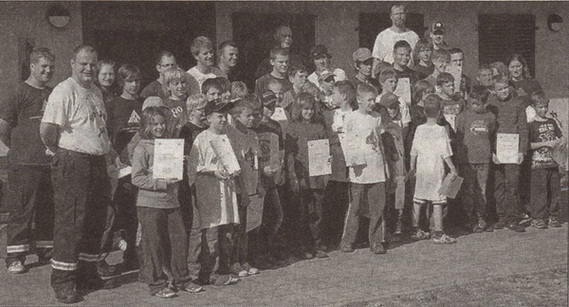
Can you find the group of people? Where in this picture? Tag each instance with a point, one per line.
(81, 181)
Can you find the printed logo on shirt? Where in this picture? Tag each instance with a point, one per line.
(176, 111)
(479, 127)
(134, 118)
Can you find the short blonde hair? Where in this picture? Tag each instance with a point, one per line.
(196, 101)
(174, 73)
(200, 42)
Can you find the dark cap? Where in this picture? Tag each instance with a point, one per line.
(438, 28)
(217, 106)
(389, 100)
(268, 98)
(318, 51)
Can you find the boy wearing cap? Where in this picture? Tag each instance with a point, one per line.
(437, 36)
(327, 79)
(363, 61)
(279, 61)
(321, 59)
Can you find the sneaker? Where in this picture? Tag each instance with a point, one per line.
(222, 280)
(321, 254)
(377, 248)
(192, 288)
(525, 220)
(515, 227)
(539, 224)
(347, 248)
(489, 228)
(554, 222)
(249, 269)
(480, 226)
(443, 238)
(16, 267)
(237, 270)
(420, 235)
(44, 259)
(165, 293)
(67, 296)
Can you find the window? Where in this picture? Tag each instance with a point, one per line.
(501, 35)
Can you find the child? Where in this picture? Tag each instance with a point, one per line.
(511, 118)
(248, 183)
(337, 188)
(216, 200)
(363, 61)
(175, 85)
(309, 190)
(484, 78)
(429, 153)
(106, 80)
(363, 129)
(440, 59)
(401, 58)
(475, 128)
(297, 76)
(212, 90)
(225, 89)
(451, 104)
(202, 50)
(159, 214)
(388, 82)
(197, 122)
(327, 79)
(321, 59)
(279, 61)
(457, 60)
(422, 56)
(238, 90)
(546, 138)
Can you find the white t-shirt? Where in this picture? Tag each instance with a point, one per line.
(80, 114)
(340, 75)
(214, 73)
(384, 42)
(364, 131)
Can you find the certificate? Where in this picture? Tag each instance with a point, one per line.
(351, 151)
(222, 148)
(270, 156)
(168, 159)
(507, 147)
(456, 72)
(319, 162)
(403, 90)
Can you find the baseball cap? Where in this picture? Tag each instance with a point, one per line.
(153, 101)
(438, 27)
(361, 55)
(268, 98)
(326, 73)
(318, 51)
(217, 106)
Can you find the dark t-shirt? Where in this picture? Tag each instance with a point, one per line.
(474, 133)
(373, 82)
(543, 131)
(424, 70)
(262, 83)
(189, 132)
(124, 120)
(268, 127)
(23, 110)
(409, 73)
(176, 116)
(154, 88)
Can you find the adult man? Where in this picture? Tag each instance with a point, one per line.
(321, 58)
(228, 54)
(437, 36)
(74, 130)
(164, 61)
(384, 42)
(30, 196)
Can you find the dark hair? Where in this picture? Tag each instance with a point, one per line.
(85, 48)
(387, 74)
(41, 52)
(146, 119)
(421, 44)
(402, 44)
(455, 51)
(209, 83)
(162, 54)
(223, 45)
(518, 57)
(347, 88)
(443, 78)
(224, 83)
(128, 72)
(278, 51)
(539, 97)
(302, 100)
(432, 106)
(364, 88)
(480, 96)
(420, 89)
(440, 54)
(248, 102)
(295, 68)
(500, 79)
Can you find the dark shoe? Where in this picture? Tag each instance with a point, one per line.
(67, 296)
(93, 284)
(525, 221)
(480, 226)
(489, 228)
(347, 248)
(43, 259)
(192, 288)
(106, 270)
(222, 280)
(516, 227)
(501, 224)
(377, 248)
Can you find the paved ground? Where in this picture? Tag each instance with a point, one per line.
(357, 279)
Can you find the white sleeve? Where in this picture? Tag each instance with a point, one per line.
(58, 106)
(377, 52)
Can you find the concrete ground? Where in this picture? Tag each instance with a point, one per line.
(359, 278)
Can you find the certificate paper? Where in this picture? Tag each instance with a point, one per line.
(225, 153)
(319, 158)
(168, 159)
(456, 72)
(507, 147)
(403, 90)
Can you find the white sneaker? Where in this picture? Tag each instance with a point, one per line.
(16, 267)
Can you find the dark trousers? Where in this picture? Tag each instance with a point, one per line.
(240, 251)
(336, 197)
(374, 195)
(217, 244)
(81, 195)
(163, 234)
(126, 217)
(545, 188)
(310, 221)
(272, 218)
(30, 202)
(506, 191)
(474, 189)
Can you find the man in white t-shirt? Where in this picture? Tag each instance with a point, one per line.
(73, 129)
(202, 50)
(384, 42)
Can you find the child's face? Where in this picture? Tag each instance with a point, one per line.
(246, 117)
(322, 62)
(485, 77)
(393, 112)
(157, 127)
(477, 106)
(327, 85)
(131, 87)
(106, 76)
(337, 97)
(226, 96)
(364, 67)
(217, 121)
(307, 113)
(298, 79)
(425, 55)
(440, 65)
(205, 57)
(178, 88)
(389, 85)
(447, 88)
(165, 63)
(258, 114)
(280, 63)
(213, 94)
(541, 109)
(502, 90)
(402, 56)
(277, 88)
(457, 59)
(437, 38)
(516, 69)
(197, 115)
(366, 102)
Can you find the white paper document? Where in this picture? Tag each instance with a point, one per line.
(222, 148)
(403, 90)
(319, 162)
(3, 149)
(456, 72)
(507, 147)
(168, 159)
